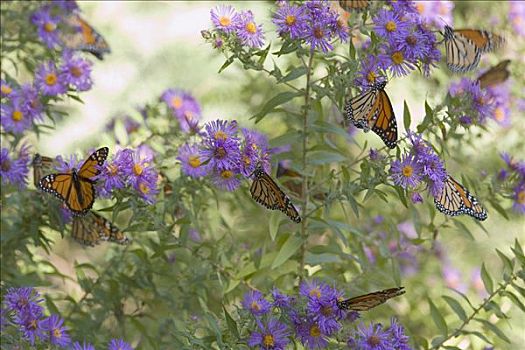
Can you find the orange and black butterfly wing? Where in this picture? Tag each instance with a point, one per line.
(353, 5)
(58, 185)
(85, 38)
(485, 41)
(107, 230)
(385, 125)
(89, 169)
(84, 232)
(360, 109)
(266, 192)
(495, 75)
(462, 54)
(368, 301)
(456, 200)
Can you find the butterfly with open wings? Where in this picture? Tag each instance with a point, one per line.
(370, 300)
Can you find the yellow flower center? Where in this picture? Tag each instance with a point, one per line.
(371, 77)
(32, 324)
(194, 161)
(17, 116)
(220, 152)
(398, 57)
(391, 26)
(137, 169)
(57, 333)
(268, 341)
(143, 188)
(520, 198)
(6, 165)
(420, 7)
(318, 33)
(411, 40)
(315, 331)
(49, 27)
(315, 292)
(247, 161)
(290, 20)
(76, 71)
(6, 90)
(373, 340)
(499, 114)
(407, 171)
(254, 306)
(51, 79)
(226, 174)
(225, 21)
(112, 169)
(220, 135)
(326, 311)
(251, 28)
(176, 102)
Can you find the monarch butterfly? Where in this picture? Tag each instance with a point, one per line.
(93, 228)
(266, 192)
(370, 300)
(465, 46)
(76, 188)
(83, 37)
(353, 5)
(456, 200)
(373, 110)
(40, 163)
(495, 75)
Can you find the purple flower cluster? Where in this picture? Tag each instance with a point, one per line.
(20, 108)
(407, 43)
(473, 105)
(374, 337)
(515, 175)
(224, 156)
(129, 168)
(517, 16)
(313, 318)
(436, 13)
(47, 26)
(14, 171)
(420, 164)
(315, 22)
(74, 71)
(184, 107)
(242, 26)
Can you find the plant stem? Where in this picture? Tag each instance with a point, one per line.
(458, 330)
(304, 234)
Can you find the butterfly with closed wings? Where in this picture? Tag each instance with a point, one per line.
(354, 5)
(464, 47)
(81, 36)
(455, 200)
(266, 192)
(91, 229)
(40, 164)
(494, 75)
(76, 187)
(370, 300)
(372, 109)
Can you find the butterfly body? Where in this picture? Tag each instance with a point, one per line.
(76, 188)
(370, 300)
(455, 200)
(464, 47)
(267, 193)
(372, 110)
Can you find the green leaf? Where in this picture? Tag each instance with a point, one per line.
(463, 229)
(212, 322)
(406, 116)
(263, 54)
(324, 157)
(226, 64)
(499, 208)
(295, 73)
(288, 249)
(456, 306)
(487, 280)
(518, 252)
(507, 263)
(232, 325)
(273, 223)
(275, 101)
(494, 329)
(438, 318)
(514, 299)
(477, 334)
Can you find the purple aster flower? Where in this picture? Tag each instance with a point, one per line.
(369, 74)
(453, 278)
(68, 164)
(310, 334)
(281, 300)
(119, 344)
(436, 13)
(146, 185)
(23, 299)
(28, 99)
(254, 302)
(49, 81)
(407, 172)
(225, 18)
(290, 20)
(403, 7)
(185, 108)
(221, 145)
(413, 42)
(67, 5)
(76, 71)
(254, 152)
(327, 312)
(5, 88)
(226, 179)
(314, 289)
(389, 24)
(519, 198)
(434, 171)
(113, 173)
(397, 334)
(416, 198)
(57, 334)
(517, 16)
(396, 60)
(85, 346)
(274, 335)
(191, 161)
(318, 35)
(248, 32)
(14, 117)
(372, 337)
(146, 152)
(47, 26)
(31, 326)
(65, 214)
(14, 171)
